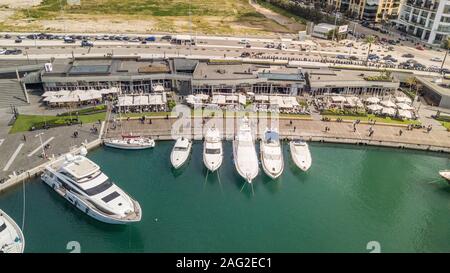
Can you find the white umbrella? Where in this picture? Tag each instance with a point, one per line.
(388, 104)
(338, 99)
(373, 100)
(388, 111)
(403, 99)
(405, 114)
(374, 107)
(404, 106)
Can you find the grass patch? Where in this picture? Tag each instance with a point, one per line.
(24, 123)
(281, 11)
(373, 117)
(446, 124)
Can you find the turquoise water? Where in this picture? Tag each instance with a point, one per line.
(350, 196)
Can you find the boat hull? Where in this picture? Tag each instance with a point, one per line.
(445, 175)
(212, 167)
(128, 147)
(82, 205)
(301, 159)
(179, 159)
(11, 223)
(248, 176)
(266, 168)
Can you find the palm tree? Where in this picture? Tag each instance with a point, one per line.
(369, 40)
(411, 81)
(446, 45)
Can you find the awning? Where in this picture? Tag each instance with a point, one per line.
(388, 111)
(338, 99)
(403, 99)
(375, 107)
(373, 100)
(404, 106)
(388, 103)
(405, 114)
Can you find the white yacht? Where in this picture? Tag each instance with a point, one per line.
(212, 149)
(445, 174)
(300, 154)
(11, 237)
(130, 143)
(180, 152)
(271, 154)
(244, 152)
(82, 183)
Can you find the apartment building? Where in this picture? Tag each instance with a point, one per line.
(368, 10)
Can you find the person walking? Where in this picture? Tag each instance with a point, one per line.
(400, 132)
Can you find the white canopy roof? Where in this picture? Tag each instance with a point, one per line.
(65, 96)
(373, 100)
(375, 107)
(261, 98)
(388, 111)
(404, 106)
(388, 103)
(338, 99)
(405, 114)
(218, 99)
(403, 99)
(158, 88)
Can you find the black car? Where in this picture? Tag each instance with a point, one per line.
(7, 36)
(166, 37)
(445, 70)
(13, 52)
(408, 55)
(18, 41)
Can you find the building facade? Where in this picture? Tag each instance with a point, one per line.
(368, 10)
(428, 20)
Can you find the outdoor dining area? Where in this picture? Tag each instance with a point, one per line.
(142, 103)
(277, 104)
(77, 97)
(223, 101)
(398, 107)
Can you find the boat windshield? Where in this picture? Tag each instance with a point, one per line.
(212, 151)
(273, 157)
(99, 188)
(180, 149)
(3, 227)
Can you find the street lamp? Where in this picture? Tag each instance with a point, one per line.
(42, 145)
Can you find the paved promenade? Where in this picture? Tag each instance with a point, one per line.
(160, 128)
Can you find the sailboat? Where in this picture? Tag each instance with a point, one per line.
(271, 154)
(300, 154)
(212, 149)
(11, 236)
(129, 142)
(244, 152)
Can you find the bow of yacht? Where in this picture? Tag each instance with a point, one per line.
(11, 237)
(212, 149)
(81, 182)
(300, 154)
(244, 153)
(271, 154)
(446, 175)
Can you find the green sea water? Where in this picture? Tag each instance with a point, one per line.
(351, 195)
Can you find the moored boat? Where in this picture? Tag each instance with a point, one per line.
(244, 152)
(212, 149)
(11, 236)
(81, 182)
(180, 152)
(130, 143)
(446, 175)
(271, 154)
(300, 154)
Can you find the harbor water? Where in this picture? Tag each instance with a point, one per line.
(351, 196)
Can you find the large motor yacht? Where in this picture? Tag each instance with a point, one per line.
(11, 237)
(244, 152)
(271, 154)
(212, 149)
(81, 182)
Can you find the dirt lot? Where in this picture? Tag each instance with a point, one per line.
(139, 16)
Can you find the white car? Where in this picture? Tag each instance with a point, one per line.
(2, 51)
(436, 59)
(244, 41)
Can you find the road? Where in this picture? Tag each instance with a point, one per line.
(314, 50)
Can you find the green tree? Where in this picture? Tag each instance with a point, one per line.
(369, 40)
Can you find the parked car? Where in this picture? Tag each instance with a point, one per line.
(244, 41)
(436, 59)
(248, 45)
(166, 38)
(69, 40)
(150, 39)
(341, 57)
(408, 55)
(353, 58)
(18, 40)
(7, 36)
(245, 54)
(86, 43)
